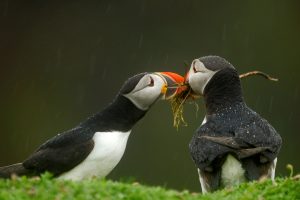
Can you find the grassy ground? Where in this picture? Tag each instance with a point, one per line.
(48, 188)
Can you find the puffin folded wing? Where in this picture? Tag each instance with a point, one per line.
(15, 169)
(241, 149)
(58, 159)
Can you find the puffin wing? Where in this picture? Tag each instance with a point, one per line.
(257, 145)
(253, 138)
(241, 148)
(61, 153)
(260, 134)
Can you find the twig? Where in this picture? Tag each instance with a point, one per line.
(267, 76)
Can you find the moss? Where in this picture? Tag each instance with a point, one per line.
(47, 188)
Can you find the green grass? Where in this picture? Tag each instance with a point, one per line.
(48, 188)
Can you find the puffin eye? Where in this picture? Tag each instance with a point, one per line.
(194, 69)
(197, 67)
(151, 84)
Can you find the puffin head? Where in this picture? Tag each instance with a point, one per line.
(203, 70)
(144, 89)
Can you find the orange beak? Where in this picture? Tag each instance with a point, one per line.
(174, 84)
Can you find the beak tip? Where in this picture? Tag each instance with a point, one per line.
(179, 82)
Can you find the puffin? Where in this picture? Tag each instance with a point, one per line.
(234, 144)
(96, 145)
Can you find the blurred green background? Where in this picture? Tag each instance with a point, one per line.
(61, 61)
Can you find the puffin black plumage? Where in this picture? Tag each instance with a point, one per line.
(234, 144)
(95, 146)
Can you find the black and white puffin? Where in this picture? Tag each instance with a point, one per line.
(234, 144)
(95, 146)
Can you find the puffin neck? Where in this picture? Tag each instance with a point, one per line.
(223, 91)
(120, 115)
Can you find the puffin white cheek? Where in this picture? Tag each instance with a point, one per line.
(151, 94)
(196, 83)
(145, 98)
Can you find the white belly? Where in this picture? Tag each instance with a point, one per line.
(108, 150)
(232, 172)
(204, 185)
(204, 121)
(272, 169)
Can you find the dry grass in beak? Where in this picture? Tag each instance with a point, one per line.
(177, 103)
(178, 100)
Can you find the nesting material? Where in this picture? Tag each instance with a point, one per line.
(178, 101)
(267, 76)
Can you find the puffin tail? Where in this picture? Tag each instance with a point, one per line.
(15, 169)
